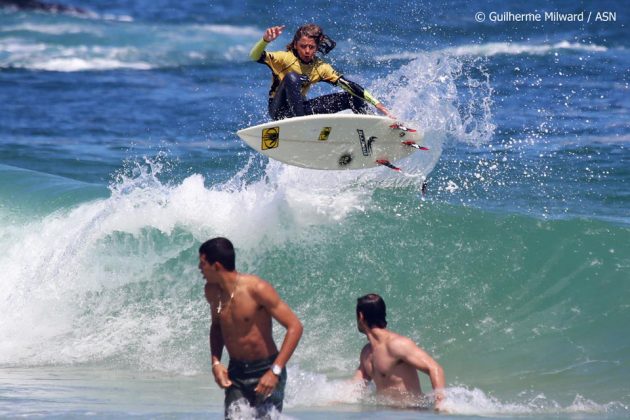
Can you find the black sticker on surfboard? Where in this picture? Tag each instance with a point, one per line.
(345, 159)
(366, 145)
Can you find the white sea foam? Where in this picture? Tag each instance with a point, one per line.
(80, 64)
(60, 46)
(112, 17)
(475, 402)
(307, 389)
(424, 92)
(502, 48)
(495, 48)
(40, 56)
(310, 389)
(54, 29)
(69, 284)
(232, 30)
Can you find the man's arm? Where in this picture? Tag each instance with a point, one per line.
(216, 340)
(265, 295)
(407, 351)
(362, 375)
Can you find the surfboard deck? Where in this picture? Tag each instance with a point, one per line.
(333, 141)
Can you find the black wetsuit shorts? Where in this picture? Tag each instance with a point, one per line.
(245, 377)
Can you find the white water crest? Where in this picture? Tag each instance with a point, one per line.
(501, 48)
(72, 44)
(111, 279)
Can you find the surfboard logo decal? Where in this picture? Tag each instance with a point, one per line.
(270, 138)
(323, 135)
(366, 146)
(345, 159)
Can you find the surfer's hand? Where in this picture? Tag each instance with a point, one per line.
(273, 33)
(221, 376)
(381, 108)
(267, 384)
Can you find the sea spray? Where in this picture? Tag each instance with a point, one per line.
(107, 280)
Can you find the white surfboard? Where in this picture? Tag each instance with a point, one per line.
(334, 141)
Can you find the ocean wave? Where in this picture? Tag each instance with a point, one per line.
(113, 281)
(503, 48)
(77, 267)
(248, 31)
(72, 45)
(475, 402)
(51, 28)
(79, 64)
(495, 48)
(310, 389)
(42, 56)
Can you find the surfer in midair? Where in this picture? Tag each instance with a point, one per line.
(297, 68)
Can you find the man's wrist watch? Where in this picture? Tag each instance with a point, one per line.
(276, 369)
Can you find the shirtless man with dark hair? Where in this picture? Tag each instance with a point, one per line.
(391, 360)
(242, 308)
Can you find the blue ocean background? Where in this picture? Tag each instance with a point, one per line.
(118, 158)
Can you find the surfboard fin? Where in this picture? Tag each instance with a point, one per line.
(387, 163)
(399, 126)
(414, 145)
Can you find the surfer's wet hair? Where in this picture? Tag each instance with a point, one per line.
(314, 31)
(372, 306)
(219, 250)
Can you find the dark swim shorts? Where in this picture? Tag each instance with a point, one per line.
(245, 377)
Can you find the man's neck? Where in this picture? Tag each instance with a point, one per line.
(228, 280)
(376, 335)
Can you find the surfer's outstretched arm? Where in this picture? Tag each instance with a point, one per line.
(270, 34)
(357, 90)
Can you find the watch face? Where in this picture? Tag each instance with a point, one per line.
(276, 370)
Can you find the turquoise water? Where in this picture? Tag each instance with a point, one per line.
(118, 158)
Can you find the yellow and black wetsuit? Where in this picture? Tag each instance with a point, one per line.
(293, 78)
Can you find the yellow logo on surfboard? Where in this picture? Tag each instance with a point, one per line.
(323, 135)
(270, 138)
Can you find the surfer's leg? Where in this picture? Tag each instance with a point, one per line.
(335, 102)
(288, 100)
(359, 106)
